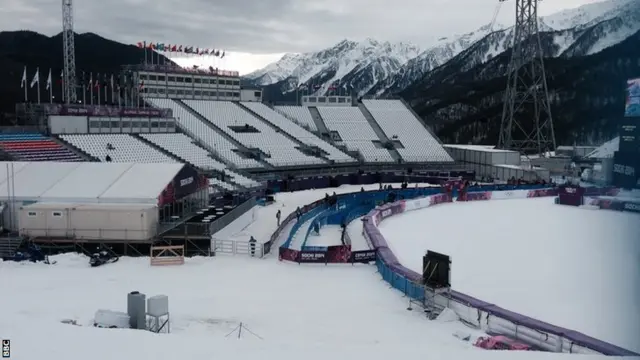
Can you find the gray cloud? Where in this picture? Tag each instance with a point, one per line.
(264, 26)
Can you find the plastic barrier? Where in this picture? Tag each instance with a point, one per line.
(489, 317)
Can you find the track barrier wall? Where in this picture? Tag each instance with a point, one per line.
(577, 196)
(352, 202)
(489, 317)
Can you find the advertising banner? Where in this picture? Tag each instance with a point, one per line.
(632, 103)
(625, 170)
(185, 182)
(338, 254)
(288, 254)
(571, 195)
(478, 196)
(363, 256)
(312, 257)
(631, 207)
(107, 111)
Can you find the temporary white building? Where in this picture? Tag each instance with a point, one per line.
(24, 183)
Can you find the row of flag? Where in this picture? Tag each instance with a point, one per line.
(161, 47)
(113, 85)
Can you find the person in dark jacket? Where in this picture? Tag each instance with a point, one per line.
(252, 246)
(298, 213)
(278, 215)
(316, 228)
(107, 158)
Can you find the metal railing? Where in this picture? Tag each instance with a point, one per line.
(237, 247)
(232, 215)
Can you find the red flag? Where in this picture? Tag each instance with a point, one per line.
(140, 45)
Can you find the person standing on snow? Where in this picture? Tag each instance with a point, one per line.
(278, 215)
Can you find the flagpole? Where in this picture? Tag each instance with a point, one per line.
(91, 87)
(84, 90)
(38, 83)
(50, 85)
(144, 44)
(24, 85)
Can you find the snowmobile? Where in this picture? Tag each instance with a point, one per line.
(32, 253)
(102, 257)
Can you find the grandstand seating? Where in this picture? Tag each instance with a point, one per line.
(297, 131)
(281, 150)
(126, 148)
(35, 147)
(399, 123)
(241, 180)
(195, 128)
(183, 147)
(300, 114)
(222, 184)
(355, 131)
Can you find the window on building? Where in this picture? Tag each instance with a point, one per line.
(171, 78)
(56, 214)
(161, 78)
(257, 94)
(32, 214)
(142, 77)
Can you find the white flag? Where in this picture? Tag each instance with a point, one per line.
(24, 78)
(36, 78)
(49, 80)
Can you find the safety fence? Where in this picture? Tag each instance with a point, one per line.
(345, 204)
(602, 198)
(483, 315)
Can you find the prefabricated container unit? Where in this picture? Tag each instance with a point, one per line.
(100, 221)
(483, 155)
(506, 172)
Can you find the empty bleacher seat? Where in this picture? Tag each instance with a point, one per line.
(126, 148)
(183, 147)
(399, 123)
(280, 150)
(355, 131)
(298, 132)
(197, 129)
(35, 147)
(299, 113)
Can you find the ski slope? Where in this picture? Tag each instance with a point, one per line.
(572, 267)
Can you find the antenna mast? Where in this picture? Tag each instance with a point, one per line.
(69, 51)
(527, 125)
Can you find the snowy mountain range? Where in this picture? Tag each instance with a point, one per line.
(375, 68)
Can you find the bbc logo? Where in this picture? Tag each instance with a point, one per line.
(6, 349)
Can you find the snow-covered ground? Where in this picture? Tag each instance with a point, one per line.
(310, 312)
(571, 267)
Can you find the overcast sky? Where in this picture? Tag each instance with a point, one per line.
(265, 26)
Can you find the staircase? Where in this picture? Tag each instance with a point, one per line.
(160, 149)
(317, 118)
(9, 245)
(378, 130)
(221, 132)
(278, 129)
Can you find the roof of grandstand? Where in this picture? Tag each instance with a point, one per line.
(84, 182)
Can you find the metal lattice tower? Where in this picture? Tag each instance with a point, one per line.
(527, 125)
(69, 50)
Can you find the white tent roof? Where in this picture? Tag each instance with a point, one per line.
(605, 150)
(86, 181)
(142, 181)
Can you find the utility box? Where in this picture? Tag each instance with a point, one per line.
(136, 310)
(158, 306)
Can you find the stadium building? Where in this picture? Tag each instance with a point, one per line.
(134, 151)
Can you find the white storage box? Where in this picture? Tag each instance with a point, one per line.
(158, 305)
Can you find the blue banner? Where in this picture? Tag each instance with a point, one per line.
(632, 103)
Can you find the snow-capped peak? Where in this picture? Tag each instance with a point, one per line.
(376, 67)
(339, 59)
